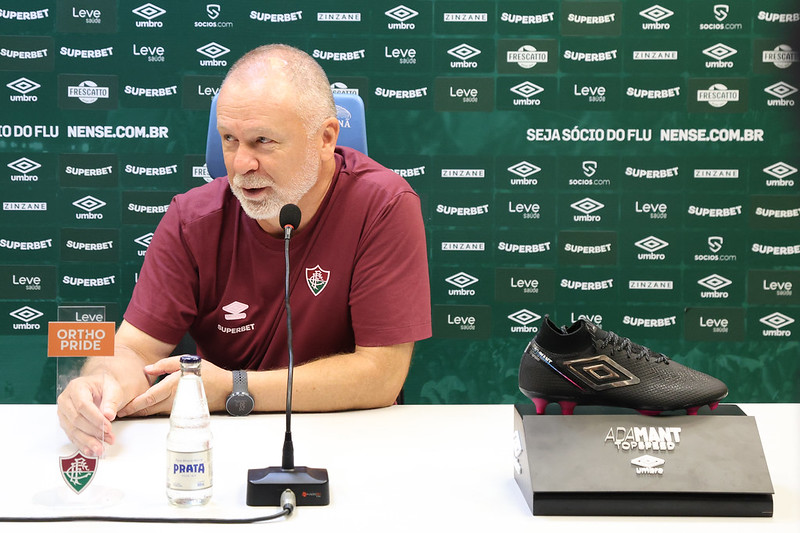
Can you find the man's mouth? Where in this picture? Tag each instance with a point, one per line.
(253, 192)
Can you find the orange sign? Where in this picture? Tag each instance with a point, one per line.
(80, 339)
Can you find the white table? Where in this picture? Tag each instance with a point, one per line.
(403, 468)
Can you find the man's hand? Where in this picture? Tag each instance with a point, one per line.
(158, 398)
(85, 411)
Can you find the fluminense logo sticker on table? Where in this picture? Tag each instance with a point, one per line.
(78, 470)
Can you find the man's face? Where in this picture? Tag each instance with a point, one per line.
(270, 158)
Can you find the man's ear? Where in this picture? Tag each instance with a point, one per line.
(329, 132)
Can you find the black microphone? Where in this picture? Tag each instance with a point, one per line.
(289, 219)
(267, 486)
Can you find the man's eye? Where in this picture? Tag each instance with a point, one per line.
(228, 138)
(264, 140)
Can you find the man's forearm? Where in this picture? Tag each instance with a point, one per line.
(367, 378)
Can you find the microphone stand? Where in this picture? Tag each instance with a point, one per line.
(265, 486)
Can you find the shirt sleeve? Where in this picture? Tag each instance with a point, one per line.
(390, 292)
(163, 303)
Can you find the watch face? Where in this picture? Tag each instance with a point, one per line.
(239, 404)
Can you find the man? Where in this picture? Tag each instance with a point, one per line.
(215, 268)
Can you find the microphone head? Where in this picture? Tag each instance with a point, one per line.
(290, 216)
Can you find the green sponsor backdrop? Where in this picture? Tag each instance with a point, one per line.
(631, 162)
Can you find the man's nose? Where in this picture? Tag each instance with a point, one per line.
(243, 161)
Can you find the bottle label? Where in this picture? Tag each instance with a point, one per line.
(189, 470)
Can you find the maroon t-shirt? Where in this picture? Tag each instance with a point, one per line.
(359, 273)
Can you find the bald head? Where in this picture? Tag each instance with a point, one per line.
(291, 75)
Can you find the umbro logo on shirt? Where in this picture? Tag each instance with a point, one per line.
(235, 311)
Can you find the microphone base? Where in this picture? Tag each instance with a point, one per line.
(265, 485)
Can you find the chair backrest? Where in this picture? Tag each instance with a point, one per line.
(352, 130)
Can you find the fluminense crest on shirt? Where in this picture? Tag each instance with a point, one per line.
(317, 279)
(77, 470)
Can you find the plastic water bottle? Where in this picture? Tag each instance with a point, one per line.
(189, 441)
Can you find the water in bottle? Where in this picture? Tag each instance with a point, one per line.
(189, 441)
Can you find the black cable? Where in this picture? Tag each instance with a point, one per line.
(287, 500)
(149, 520)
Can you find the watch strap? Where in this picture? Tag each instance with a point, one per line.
(239, 381)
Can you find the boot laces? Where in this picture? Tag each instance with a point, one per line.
(631, 349)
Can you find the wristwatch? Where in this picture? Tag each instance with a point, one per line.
(239, 401)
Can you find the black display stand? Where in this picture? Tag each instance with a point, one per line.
(606, 461)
